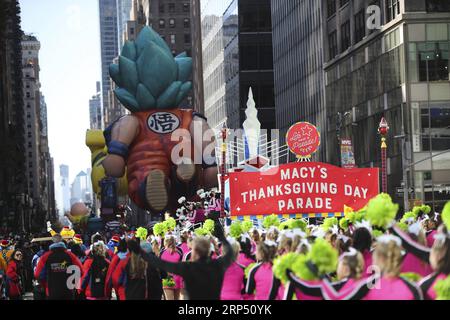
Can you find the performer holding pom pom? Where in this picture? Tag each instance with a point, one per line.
(261, 279)
(174, 254)
(233, 282)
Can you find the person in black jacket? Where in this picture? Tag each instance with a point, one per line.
(203, 277)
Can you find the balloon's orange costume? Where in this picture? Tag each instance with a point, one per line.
(158, 144)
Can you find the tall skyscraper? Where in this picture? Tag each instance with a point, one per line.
(95, 110)
(237, 55)
(399, 70)
(109, 50)
(298, 65)
(81, 189)
(13, 179)
(123, 16)
(64, 201)
(38, 159)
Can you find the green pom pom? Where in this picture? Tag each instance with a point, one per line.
(328, 223)
(297, 224)
(282, 263)
(411, 276)
(141, 233)
(442, 288)
(201, 232)
(381, 210)
(284, 225)
(170, 224)
(209, 225)
(403, 226)
(350, 216)
(246, 226)
(300, 268)
(270, 221)
(236, 229)
(159, 229)
(343, 223)
(408, 215)
(360, 215)
(446, 215)
(324, 256)
(377, 233)
(249, 268)
(168, 282)
(425, 209)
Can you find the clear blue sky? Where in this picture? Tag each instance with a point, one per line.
(70, 66)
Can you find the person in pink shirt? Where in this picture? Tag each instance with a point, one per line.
(440, 262)
(171, 253)
(233, 282)
(245, 256)
(261, 280)
(412, 263)
(362, 241)
(385, 283)
(431, 224)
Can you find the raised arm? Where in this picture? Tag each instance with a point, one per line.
(413, 247)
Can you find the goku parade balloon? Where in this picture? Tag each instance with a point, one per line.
(158, 143)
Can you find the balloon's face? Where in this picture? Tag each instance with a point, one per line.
(79, 209)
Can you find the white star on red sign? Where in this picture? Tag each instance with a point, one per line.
(307, 131)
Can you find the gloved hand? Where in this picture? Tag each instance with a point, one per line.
(49, 226)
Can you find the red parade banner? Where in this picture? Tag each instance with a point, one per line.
(301, 187)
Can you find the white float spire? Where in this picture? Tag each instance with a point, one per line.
(252, 127)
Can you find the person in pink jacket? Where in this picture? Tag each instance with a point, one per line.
(386, 283)
(171, 253)
(261, 280)
(233, 281)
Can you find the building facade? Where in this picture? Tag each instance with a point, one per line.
(297, 28)
(95, 110)
(390, 58)
(64, 201)
(39, 163)
(123, 16)
(81, 189)
(109, 39)
(237, 54)
(14, 198)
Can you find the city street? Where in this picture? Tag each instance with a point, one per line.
(232, 150)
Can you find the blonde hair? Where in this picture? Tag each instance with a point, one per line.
(388, 257)
(201, 246)
(169, 243)
(267, 253)
(355, 263)
(235, 248)
(99, 250)
(286, 244)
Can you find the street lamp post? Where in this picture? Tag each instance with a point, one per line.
(339, 124)
(383, 129)
(430, 147)
(223, 170)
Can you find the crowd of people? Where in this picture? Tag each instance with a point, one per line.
(371, 254)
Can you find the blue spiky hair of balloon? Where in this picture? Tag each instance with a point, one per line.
(148, 76)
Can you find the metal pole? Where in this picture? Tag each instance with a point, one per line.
(223, 171)
(383, 164)
(429, 134)
(404, 159)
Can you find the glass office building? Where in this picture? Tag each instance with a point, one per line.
(400, 71)
(298, 66)
(108, 45)
(237, 55)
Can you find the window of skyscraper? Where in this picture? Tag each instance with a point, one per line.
(172, 39)
(186, 7)
(171, 7)
(162, 23)
(331, 7)
(392, 9)
(345, 36)
(172, 23)
(438, 6)
(187, 23)
(187, 38)
(332, 44)
(434, 58)
(161, 8)
(360, 26)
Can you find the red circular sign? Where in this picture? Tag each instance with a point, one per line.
(303, 139)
